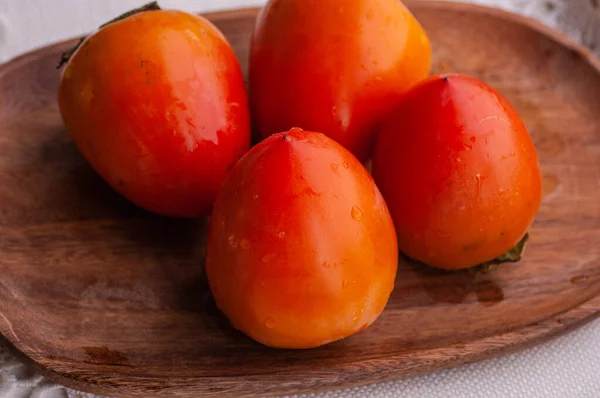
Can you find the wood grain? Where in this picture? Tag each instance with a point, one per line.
(106, 298)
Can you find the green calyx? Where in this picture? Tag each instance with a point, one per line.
(512, 256)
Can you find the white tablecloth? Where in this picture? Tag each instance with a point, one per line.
(568, 366)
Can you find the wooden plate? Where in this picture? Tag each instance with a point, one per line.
(106, 298)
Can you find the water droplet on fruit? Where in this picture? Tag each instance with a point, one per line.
(327, 265)
(345, 283)
(550, 184)
(255, 196)
(459, 160)
(579, 279)
(334, 166)
(345, 165)
(270, 323)
(357, 213)
(245, 244)
(281, 234)
(513, 154)
(233, 241)
(479, 195)
(268, 257)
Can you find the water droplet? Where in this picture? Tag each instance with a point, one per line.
(473, 139)
(579, 279)
(268, 257)
(459, 160)
(489, 293)
(270, 323)
(327, 265)
(255, 196)
(281, 234)
(357, 213)
(513, 154)
(503, 157)
(479, 195)
(334, 166)
(245, 244)
(500, 190)
(334, 111)
(550, 184)
(345, 283)
(233, 241)
(345, 165)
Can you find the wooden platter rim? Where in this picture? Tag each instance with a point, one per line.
(456, 355)
(380, 369)
(531, 23)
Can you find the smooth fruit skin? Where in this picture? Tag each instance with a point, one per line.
(301, 248)
(459, 172)
(157, 104)
(334, 66)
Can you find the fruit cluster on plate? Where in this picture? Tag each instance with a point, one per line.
(303, 240)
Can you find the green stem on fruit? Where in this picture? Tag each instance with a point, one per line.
(512, 256)
(66, 56)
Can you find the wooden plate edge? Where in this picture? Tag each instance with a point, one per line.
(354, 374)
(556, 35)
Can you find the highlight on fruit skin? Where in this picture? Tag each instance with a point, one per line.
(301, 248)
(334, 66)
(459, 172)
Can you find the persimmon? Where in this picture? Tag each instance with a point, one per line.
(156, 102)
(459, 172)
(301, 248)
(334, 66)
